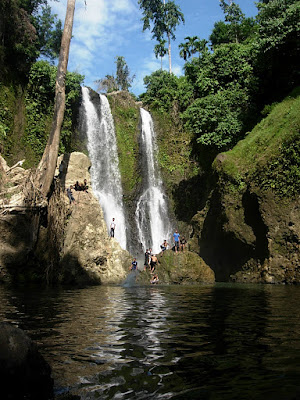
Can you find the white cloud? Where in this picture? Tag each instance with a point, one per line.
(104, 29)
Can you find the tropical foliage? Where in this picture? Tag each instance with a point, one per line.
(121, 81)
(162, 18)
(248, 64)
(28, 29)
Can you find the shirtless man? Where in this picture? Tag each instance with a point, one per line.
(153, 263)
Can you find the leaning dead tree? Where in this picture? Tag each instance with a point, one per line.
(46, 168)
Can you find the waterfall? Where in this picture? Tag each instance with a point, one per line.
(151, 214)
(105, 174)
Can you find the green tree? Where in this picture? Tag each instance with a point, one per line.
(165, 89)
(215, 120)
(39, 101)
(223, 33)
(165, 16)
(234, 16)
(185, 51)
(107, 84)
(192, 45)
(123, 77)
(277, 63)
(121, 81)
(27, 28)
(49, 31)
(160, 50)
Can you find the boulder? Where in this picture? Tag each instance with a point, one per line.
(89, 254)
(185, 268)
(24, 372)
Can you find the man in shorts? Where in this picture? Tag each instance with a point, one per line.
(176, 237)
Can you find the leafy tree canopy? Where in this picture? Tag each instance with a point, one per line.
(164, 16)
(27, 29)
(121, 81)
(163, 89)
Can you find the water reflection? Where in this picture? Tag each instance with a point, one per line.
(212, 342)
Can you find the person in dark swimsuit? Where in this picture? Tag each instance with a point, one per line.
(153, 263)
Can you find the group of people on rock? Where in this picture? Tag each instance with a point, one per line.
(151, 260)
(79, 187)
(179, 243)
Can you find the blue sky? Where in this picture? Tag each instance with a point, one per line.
(109, 28)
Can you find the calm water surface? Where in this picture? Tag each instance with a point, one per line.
(200, 342)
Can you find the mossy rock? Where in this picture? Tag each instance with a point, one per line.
(185, 268)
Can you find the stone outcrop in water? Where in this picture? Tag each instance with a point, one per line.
(184, 268)
(24, 372)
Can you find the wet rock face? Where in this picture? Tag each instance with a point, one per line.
(249, 236)
(24, 372)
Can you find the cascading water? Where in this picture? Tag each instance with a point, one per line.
(151, 214)
(105, 174)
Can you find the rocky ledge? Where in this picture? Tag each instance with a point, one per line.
(184, 268)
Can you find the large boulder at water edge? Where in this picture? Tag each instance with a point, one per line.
(24, 372)
(185, 268)
(16, 225)
(89, 255)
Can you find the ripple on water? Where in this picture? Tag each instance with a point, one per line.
(211, 342)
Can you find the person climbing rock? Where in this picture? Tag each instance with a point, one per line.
(70, 195)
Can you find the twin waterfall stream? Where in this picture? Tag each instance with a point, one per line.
(151, 224)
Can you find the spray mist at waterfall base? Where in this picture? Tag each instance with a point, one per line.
(130, 280)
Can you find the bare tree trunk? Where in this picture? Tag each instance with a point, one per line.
(46, 168)
(169, 51)
(169, 48)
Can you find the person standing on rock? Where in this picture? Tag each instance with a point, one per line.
(183, 243)
(112, 228)
(70, 195)
(153, 263)
(176, 236)
(146, 263)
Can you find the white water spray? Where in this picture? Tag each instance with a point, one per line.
(152, 216)
(105, 174)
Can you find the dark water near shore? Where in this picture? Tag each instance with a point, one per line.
(212, 342)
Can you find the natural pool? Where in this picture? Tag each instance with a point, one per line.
(165, 342)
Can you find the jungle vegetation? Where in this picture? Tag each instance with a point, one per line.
(233, 80)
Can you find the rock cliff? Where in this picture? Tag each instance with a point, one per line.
(88, 254)
(248, 228)
(72, 244)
